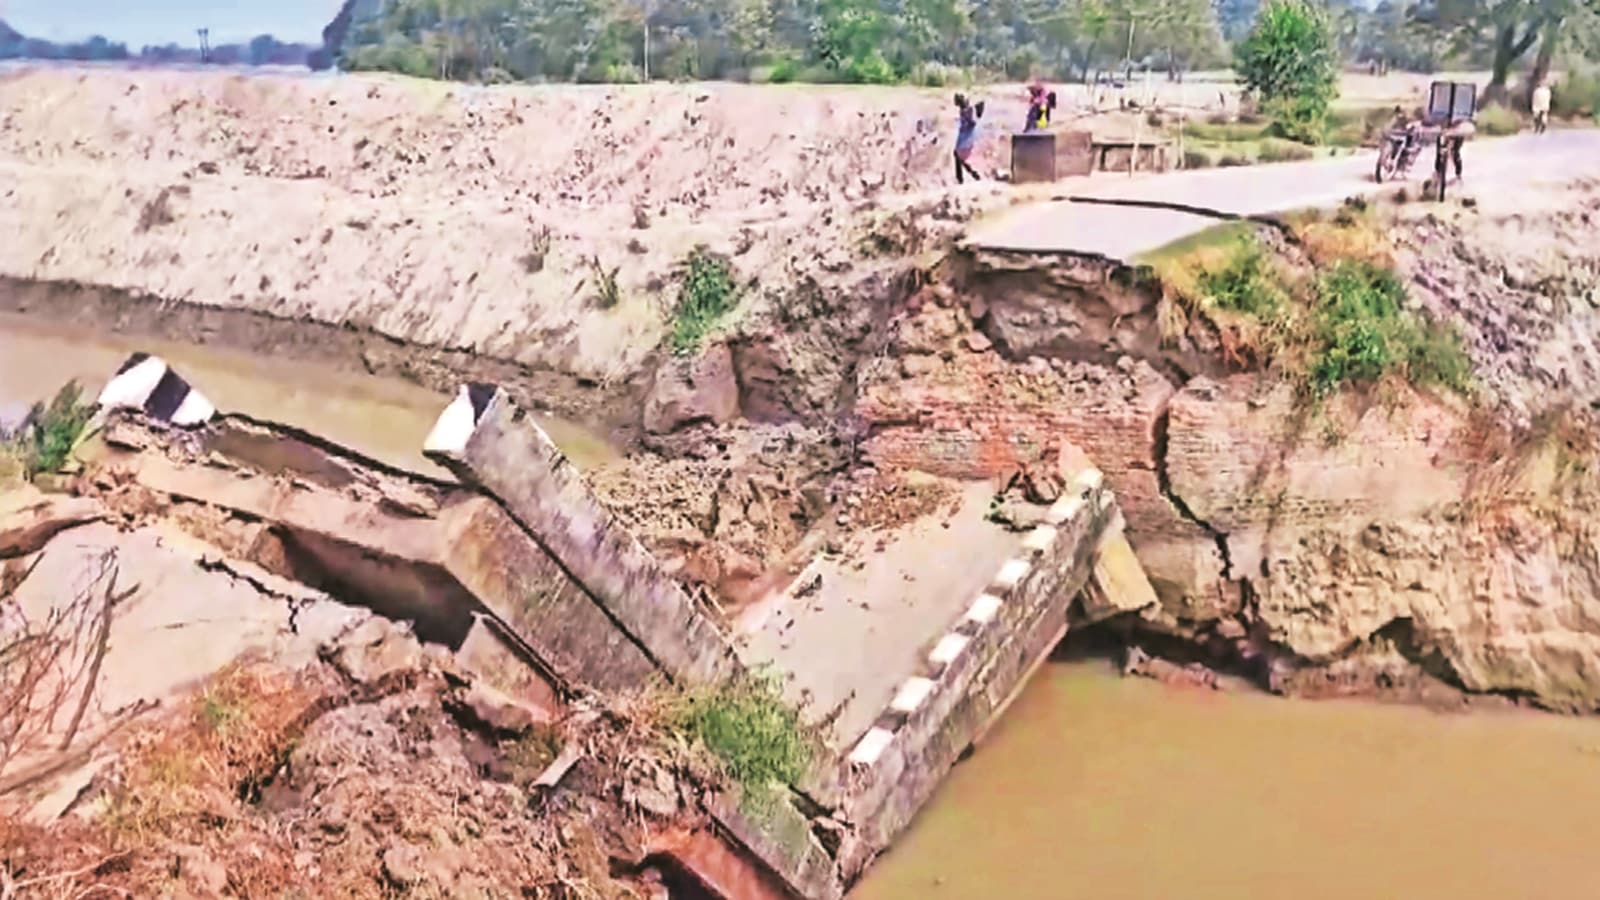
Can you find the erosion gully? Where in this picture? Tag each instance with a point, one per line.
(1093, 785)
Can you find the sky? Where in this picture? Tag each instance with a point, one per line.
(140, 22)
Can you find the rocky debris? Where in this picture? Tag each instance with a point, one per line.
(391, 787)
(500, 713)
(691, 390)
(879, 500)
(1520, 280)
(747, 494)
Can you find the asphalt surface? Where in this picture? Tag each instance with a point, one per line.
(1123, 233)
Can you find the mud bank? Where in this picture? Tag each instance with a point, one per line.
(1379, 538)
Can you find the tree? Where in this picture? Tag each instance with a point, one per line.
(1290, 64)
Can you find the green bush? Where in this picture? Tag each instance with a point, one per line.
(51, 431)
(1196, 159)
(708, 293)
(748, 727)
(1363, 333)
(782, 71)
(1300, 118)
(936, 74)
(869, 69)
(1289, 61)
(1245, 282)
(1575, 96)
(1496, 121)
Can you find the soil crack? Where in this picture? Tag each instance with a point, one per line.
(1158, 452)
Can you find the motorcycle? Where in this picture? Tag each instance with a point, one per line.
(1401, 146)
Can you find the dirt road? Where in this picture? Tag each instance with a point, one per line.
(1502, 165)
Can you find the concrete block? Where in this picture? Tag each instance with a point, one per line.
(911, 694)
(871, 746)
(1033, 157)
(983, 609)
(148, 384)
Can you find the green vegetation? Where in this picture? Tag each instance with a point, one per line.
(1496, 120)
(926, 42)
(1289, 62)
(1361, 333)
(935, 43)
(707, 295)
(747, 726)
(1245, 282)
(48, 435)
(1278, 150)
(1344, 323)
(606, 293)
(1576, 96)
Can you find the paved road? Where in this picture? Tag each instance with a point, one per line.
(1505, 164)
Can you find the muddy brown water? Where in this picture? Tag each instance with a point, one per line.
(384, 418)
(1096, 786)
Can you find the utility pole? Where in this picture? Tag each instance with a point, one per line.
(205, 44)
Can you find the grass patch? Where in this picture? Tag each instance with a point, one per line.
(47, 436)
(606, 292)
(1279, 150)
(1342, 323)
(1215, 237)
(708, 293)
(1363, 333)
(1352, 232)
(747, 726)
(1226, 132)
(1245, 282)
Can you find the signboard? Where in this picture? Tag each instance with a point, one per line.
(1451, 101)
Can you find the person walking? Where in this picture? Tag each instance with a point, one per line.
(968, 115)
(1040, 104)
(1541, 106)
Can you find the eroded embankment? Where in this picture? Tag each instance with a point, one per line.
(1379, 536)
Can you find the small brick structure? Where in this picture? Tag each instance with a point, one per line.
(1044, 156)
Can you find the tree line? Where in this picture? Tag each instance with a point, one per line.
(921, 41)
(262, 50)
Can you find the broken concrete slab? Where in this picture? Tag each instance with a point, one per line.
(490, 443)
(29, 518)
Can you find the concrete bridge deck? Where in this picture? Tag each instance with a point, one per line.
(1083, 225)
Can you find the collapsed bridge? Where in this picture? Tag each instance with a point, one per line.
(519, 569)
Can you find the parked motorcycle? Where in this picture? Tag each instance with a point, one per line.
(1400, 149)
